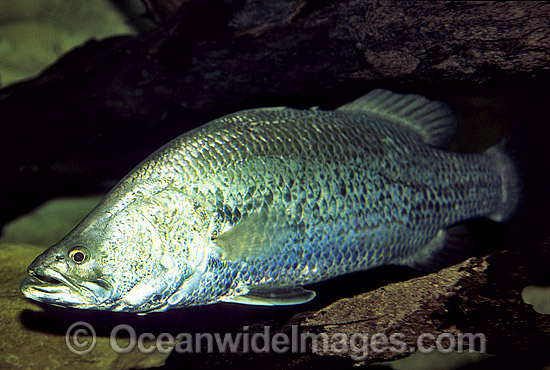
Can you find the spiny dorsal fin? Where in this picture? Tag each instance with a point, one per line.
(432, 120)
(260, 296)
(258, 235)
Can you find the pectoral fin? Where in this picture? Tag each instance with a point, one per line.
(259, 235)
(275, 297)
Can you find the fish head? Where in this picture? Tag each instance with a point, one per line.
(67, 274)
(127, 256)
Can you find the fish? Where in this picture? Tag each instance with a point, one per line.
(253, 206)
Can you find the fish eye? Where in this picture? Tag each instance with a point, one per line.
(79, 254)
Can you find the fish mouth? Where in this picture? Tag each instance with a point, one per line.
(53, 287)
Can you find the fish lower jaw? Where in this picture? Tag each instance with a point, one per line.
(55, 288)
(53, 293)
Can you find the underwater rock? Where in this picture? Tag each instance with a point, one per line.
(478, 296)
(438, 361)
(29, 341)
(394, 308)
(48, 223)
(538, 297)
(35, 33)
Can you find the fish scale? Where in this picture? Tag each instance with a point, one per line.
(251, 206)
(308, 247)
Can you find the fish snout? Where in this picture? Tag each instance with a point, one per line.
(46, 260)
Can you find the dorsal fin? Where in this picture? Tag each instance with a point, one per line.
(432, 120)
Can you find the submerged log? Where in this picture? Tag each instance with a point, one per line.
(87, 120)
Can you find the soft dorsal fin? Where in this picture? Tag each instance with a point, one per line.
(274, 296)
(432, 120)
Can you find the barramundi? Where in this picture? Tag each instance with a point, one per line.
(252, 206)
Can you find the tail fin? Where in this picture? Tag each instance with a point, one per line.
(524, 164)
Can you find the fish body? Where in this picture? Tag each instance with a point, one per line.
(250, 207)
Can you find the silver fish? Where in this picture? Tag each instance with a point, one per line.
(252, 206)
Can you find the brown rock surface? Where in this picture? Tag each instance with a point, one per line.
(24, 347)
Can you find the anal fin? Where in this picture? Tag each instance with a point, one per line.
(449, 247)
